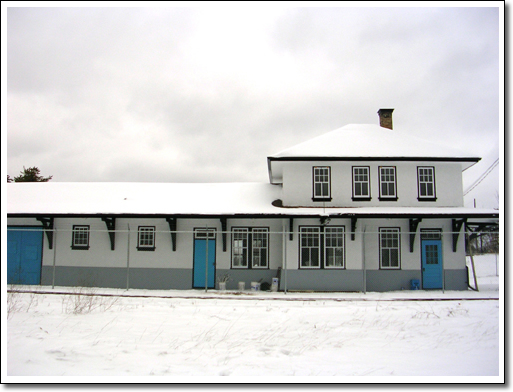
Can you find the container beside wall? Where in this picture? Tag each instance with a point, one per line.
(255, 286)
(275, 284)
(242, 286)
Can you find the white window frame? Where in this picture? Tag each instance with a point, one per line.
(305, 234)
(240, 247)
(80, 237)
(329, 244)
(387, 178)
(389, 240)
(359, 171)
(425, 179)
(321, 183)
(249, 246)
(146, 238)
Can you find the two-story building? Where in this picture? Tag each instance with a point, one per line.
(361, 208)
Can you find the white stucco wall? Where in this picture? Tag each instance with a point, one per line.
(298, 184)
(353, 250)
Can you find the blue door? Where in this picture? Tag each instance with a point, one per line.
(24, 250)
(204, 248)
(432, 265)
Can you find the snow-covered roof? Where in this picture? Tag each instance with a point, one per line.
(159, 199)
(367, 141)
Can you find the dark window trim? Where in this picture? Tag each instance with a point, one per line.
(425, 232)
(399, 267)
(322, 248)
(318, 198)
(80, 247)
(145, 248)
(426, 198)
(361, 198)
(387, 198)
(250, 247)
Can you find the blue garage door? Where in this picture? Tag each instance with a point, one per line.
(24, 250)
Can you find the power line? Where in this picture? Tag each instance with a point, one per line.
(482, 177)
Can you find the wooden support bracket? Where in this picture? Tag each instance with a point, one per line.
(172, 229)
(353, 227)
(224, 233)
(48, 229)
(456, 227)
(414, 223)
(110, 222)
(291, 229)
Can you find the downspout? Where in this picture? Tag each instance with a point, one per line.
(363, 262)
(54, 255)
(284, 252)
(128, 259)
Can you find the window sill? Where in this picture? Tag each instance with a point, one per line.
(321, 199)
(426, 198)
(80, 247)
(388, 198)
(146, 249)
(390, 268)
(361, 198)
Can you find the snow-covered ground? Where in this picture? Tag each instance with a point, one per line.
(193, 336)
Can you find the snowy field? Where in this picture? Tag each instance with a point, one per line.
(193, 336)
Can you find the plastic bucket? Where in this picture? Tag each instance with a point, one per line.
(275, 284)
(255, 286)
(242, 286)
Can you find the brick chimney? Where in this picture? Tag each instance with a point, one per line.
(385, 118)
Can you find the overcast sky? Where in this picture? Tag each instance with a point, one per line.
(206, 94)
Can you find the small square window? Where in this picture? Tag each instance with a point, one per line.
(80, 238)
(146, 238)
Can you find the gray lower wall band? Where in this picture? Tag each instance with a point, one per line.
(181, 279)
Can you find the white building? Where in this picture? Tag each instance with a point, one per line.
(361, 208)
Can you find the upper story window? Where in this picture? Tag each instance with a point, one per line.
(321, 183)
(426, 183)
(322, 248)
(80, 238)
(387, 183)
(146, 238)
(389, 248)
(250, 247)
(361, 183)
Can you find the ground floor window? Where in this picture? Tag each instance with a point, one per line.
(250, 247)
(389, 248)
(80, 238)
(322, 247)
(146, 238)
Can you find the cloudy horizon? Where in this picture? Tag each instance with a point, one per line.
(205, 94)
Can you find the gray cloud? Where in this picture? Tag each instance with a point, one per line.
(196, 94)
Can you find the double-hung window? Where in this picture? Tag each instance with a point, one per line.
(334, 247)
(80, 238)
(322, 247)
(389, 248)
(387, 183)
(146, 238)
(426, 183)
(321, 183)
(250, 247)
(361, 183)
